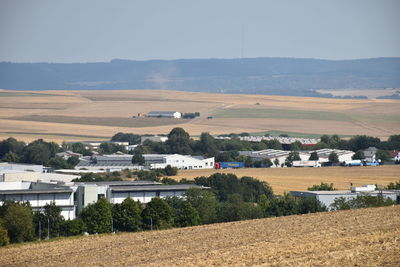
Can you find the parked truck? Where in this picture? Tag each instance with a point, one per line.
(355, 162)
(230, 165)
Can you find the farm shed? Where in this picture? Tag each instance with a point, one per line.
(165, 114)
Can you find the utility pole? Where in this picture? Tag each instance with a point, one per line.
(48, 228)
(40, 231)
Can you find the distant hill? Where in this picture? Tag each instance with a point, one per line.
(276, 76)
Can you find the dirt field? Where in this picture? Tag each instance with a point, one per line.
(364, 237)
(55, 115)
(290, 179)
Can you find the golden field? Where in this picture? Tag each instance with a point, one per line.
(363, 237)
(95, 115)
(291, 179)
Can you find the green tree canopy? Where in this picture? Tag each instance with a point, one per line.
(205, 203)
(322, 187)
(97, 217)
(127, 216)
(157, 215)
(179, 142)
(17, 220)
(184, 213)
(333, 157)
(314, 156)
(359, 155)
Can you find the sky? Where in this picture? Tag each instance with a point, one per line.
(99, 31)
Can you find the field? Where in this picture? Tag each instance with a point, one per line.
(364, 237)
(290, 179)
(76, 115)
(370, 93)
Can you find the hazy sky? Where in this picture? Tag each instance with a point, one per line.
(87, 31)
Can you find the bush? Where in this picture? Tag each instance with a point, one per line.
(361, 202)
(4, 240)
(72, 227)
(322, 187)
(17, 219)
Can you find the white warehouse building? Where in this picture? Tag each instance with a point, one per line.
(38, 194)
(159, 161)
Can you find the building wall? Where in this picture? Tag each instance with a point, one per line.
(39, 200)
(143, 197)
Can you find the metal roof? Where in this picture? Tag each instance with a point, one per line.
(35, 191)
(177, 187)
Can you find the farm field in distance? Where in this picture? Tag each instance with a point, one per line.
(73, 115)
(362, 237)
(291, 179)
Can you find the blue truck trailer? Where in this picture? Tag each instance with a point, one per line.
(231, 165)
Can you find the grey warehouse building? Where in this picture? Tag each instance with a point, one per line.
(328, 197)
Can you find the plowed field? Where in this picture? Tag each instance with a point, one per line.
(364, 237)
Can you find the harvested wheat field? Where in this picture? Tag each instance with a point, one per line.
(364, 237)
(288, 179)
(60, 115)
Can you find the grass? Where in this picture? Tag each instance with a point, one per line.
(363, 237)
(103, 121)
(281, 114)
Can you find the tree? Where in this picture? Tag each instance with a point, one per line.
(72, 227)
(138, 158)
(276, 162)
(204, 202)
(59, 163)
(17, 219)
(11, 145)
(282, 206)
(170, 171)
(97, 217)
(157, 215)
(296, 146)
(294, 155)
(360, 142)
(359, 155)
(133, 139)
(382, 155)
(179, 142)
(110, 148)
(207, 145)
(4, 240)
(314, 156)
(127, 216)
(48, 219)
(333, 157)
(73, 161)
(310, 205)
(322, 187)
(361, 202)
(394, 186)
(11, 157)
(184, 213)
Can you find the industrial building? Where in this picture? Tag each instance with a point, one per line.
(154, 138)
(13, 172)
(272, 155)
(159, 161)
(343, 155)
(281, 139)
(165, 114)
(328, 197)
(73, 197)
(38, 194)
(109, 163)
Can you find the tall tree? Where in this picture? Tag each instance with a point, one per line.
(97, 217)
(127, 216)
(179, 142)
(157, 215)
(17, 219)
